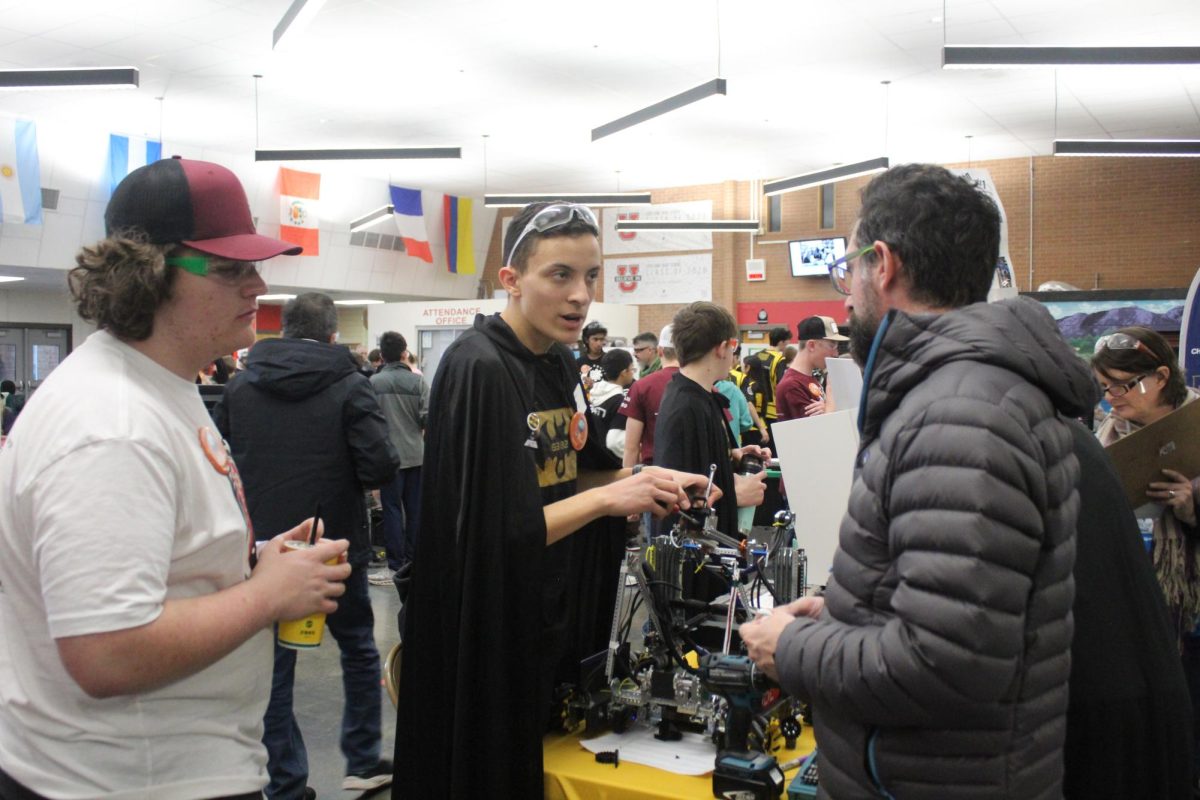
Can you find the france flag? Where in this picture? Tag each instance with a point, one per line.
(20, 176)
(127, 153)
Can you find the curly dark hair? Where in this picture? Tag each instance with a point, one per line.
(119, 284)
(1139, 362)
(945, 230)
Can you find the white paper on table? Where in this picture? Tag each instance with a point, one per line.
(816, 455)
(844, 383)
(694, 754)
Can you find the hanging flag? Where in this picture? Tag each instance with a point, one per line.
(410, 221)
(460, 244)
(125, 154)
(20, 175)
(298, 196)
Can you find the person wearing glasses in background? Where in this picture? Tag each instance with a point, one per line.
(135, 614)
(1143, 382)
(511, 470)
(645, 350)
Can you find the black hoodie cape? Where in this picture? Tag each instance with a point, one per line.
(491, 608)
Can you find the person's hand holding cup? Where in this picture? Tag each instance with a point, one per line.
(302, 579)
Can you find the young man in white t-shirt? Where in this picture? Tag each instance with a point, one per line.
(135, 616)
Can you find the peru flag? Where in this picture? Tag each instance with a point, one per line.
(299, 193)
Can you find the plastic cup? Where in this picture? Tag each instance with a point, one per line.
(307, 632)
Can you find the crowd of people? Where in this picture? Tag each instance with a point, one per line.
(992, 626)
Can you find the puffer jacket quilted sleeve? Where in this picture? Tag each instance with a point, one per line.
(940, 666)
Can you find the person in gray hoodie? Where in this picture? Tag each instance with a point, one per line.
(937, 660)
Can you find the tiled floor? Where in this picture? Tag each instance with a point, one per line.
(319, 703)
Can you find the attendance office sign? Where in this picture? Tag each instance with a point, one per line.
(645, 280)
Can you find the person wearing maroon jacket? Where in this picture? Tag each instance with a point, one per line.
(642, 402)
(799, 394)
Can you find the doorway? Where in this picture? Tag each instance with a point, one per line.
(29, 352)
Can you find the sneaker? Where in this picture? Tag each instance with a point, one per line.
(381, 577)
(381, 775)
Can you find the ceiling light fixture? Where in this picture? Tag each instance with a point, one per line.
(70, 78)
(704, 90)
(9, 278)
(295, 19)
(1187, 148)
(611, 199)
(831, 175)
(1002, 56)
(726, 225)
(364, 301)
(373, 218)
(358, 154)
(267, 298)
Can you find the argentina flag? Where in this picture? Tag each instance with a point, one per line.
(20, 176)
(127, 153)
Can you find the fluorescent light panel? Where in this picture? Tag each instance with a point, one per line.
(358, 302)
(747, 225)
(831, 175)
(374, 218)
(1001, 56)
(9, 278)
(358, 154)
(613, 199)
(295, 19)
(715, 86)
(1186, 148)
(277, 297)
(70, 78)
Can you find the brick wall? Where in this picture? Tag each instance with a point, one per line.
(1108, 223)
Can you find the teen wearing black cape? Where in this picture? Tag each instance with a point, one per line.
(506, 481)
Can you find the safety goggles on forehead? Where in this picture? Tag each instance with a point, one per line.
(221, 269)
(1122, 341)
(555, 216)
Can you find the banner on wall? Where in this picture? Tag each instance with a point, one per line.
(617, 242)
(20, 172)
(298, 196)
(646, 280)
(1004, 285)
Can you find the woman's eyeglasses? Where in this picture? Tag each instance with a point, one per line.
(1122, 389)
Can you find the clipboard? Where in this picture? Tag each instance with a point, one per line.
(1172, 442)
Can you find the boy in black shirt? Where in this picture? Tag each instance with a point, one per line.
(693, 428)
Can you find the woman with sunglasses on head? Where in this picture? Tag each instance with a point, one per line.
(512, 470)
(1142, 380)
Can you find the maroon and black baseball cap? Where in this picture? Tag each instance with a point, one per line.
(195, 203)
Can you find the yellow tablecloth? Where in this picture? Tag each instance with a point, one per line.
(573, 774)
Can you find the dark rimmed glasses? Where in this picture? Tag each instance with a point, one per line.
(1121, 389)
(222, 269)
(555, 216)
(839, 271)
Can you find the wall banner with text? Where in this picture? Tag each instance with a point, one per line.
(646, 280)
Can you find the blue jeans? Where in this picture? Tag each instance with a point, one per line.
(401, 500)
(353, 626)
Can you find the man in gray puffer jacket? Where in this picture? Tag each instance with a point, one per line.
(937, 660)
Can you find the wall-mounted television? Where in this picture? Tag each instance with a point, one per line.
(813, 256)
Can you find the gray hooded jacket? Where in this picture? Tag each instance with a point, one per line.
(939, 666)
